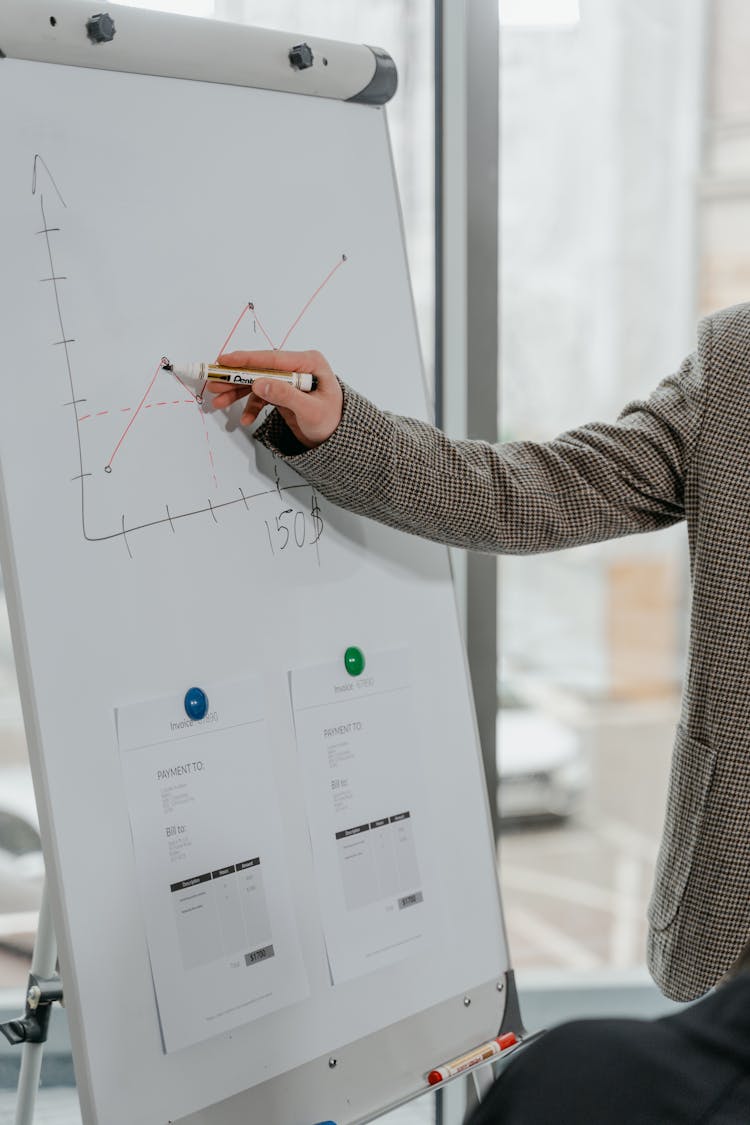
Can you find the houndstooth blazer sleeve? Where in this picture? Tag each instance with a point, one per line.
(684, 452)
(596, 482)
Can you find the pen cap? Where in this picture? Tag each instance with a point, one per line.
(192, 374)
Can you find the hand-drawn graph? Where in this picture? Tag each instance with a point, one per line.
(159, 442)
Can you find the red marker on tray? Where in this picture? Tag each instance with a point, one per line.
(480, 1054)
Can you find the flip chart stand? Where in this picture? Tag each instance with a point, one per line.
(117, 532)
(30, 1030)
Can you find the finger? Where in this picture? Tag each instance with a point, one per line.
(280, 393)
(222, 396)
(250, 412)
(308, 409)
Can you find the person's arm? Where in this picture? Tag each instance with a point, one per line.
(596, 482)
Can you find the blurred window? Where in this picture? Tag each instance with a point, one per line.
(600, 154)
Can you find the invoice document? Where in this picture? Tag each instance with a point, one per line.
(360, 764)
(210, 862)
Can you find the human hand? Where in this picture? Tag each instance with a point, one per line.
(312, 416)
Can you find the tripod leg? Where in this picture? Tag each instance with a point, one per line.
(483, 1079)
(42, 964)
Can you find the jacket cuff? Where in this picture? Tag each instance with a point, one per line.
(358, 416)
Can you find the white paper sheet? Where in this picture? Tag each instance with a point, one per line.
(204, 812)
(360, 764)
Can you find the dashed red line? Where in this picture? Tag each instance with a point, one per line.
(210, 451)
(148, 406)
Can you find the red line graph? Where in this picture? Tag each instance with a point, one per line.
(108, 466)
(238, 321)
(197, 399)
(257, 321)
(320, 288)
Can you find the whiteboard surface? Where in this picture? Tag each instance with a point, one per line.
(150, 545)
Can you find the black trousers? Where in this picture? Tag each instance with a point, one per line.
(690, 1068)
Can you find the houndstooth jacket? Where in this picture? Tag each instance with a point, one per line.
(684, 453)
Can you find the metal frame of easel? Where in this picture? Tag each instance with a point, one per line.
(29, 1031)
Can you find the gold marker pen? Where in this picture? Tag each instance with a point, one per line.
(197, 375)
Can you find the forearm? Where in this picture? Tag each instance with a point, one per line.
(597, 482)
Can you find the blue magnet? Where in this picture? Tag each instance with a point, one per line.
(196, 703)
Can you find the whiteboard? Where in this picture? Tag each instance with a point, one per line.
(149, 545)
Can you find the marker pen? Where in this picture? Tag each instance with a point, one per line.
(197, 375)
(473, 1058)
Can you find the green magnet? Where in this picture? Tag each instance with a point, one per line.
(354, 660)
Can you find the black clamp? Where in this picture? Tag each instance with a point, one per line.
(301, 56)
(101, 28)
(32, 1027)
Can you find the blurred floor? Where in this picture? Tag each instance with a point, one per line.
(575, 894)
(58, 1106)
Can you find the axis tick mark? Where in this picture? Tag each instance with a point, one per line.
(125, 536)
